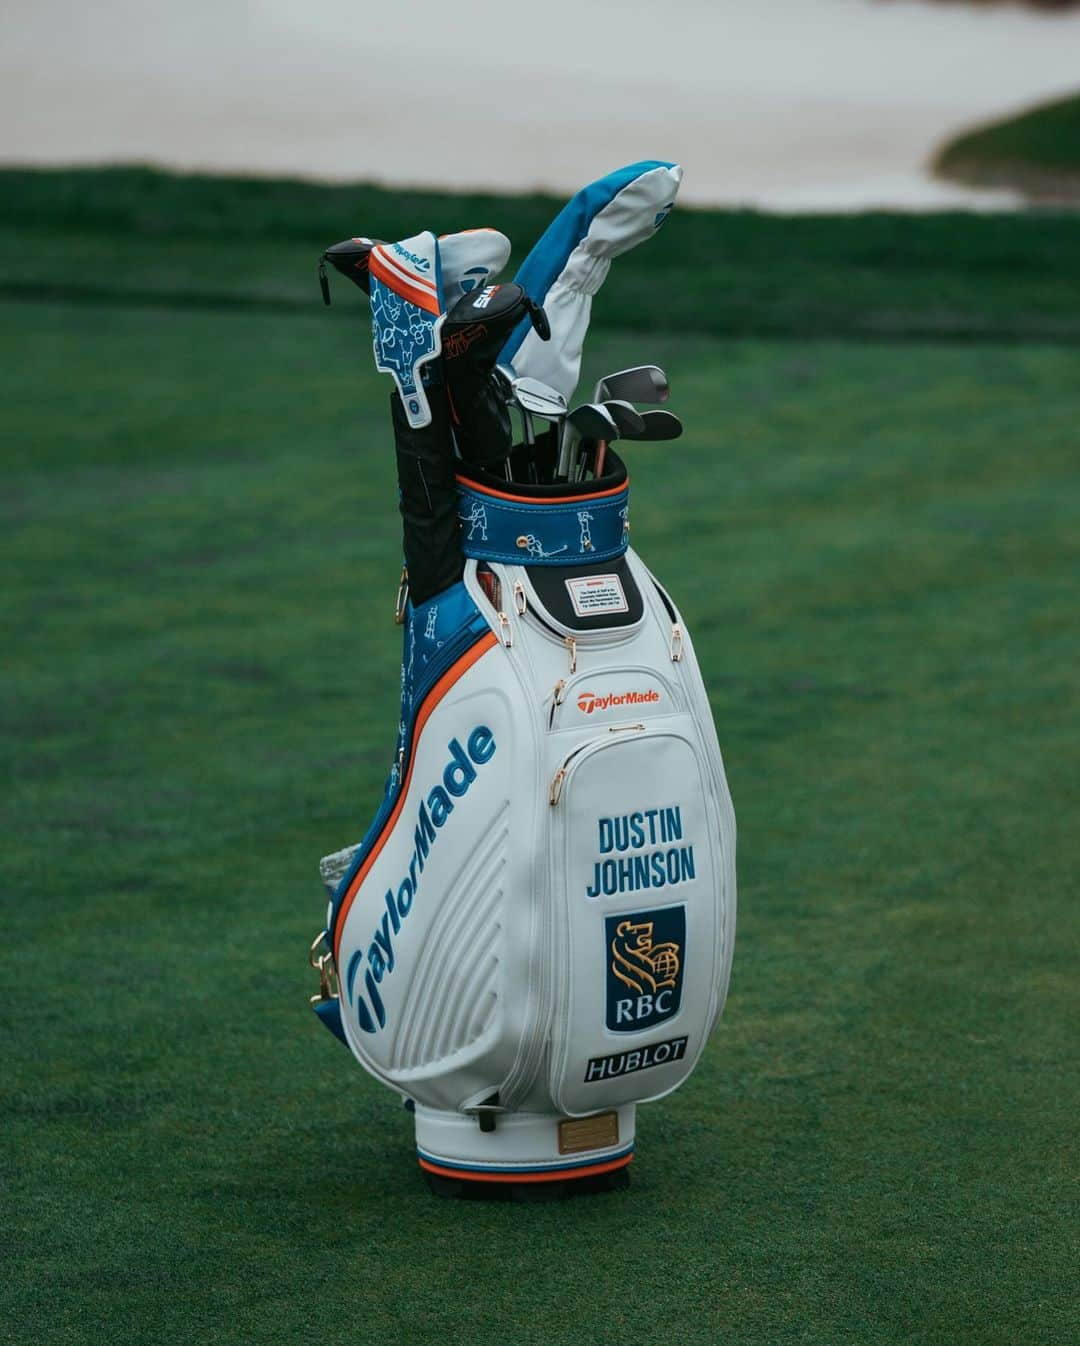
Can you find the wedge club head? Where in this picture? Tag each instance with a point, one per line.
(628, 421)
(656, 426)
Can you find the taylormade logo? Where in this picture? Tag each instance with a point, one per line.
(379, 959)
(421, 263)
(588, 702)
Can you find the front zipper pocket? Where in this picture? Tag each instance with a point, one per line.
(534, 614)
(640, 914)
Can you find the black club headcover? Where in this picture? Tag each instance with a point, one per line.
(472, 336)
(351, 259)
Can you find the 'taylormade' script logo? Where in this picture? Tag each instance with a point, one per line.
(588, 702)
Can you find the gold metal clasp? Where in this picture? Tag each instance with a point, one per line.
(521, 603)
(323, 963)
(556, 786)
(506, 634)
(402, 597)
(676, 645)
(571, 645)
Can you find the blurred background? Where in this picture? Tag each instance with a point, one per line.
(788, 104)
(868, 304)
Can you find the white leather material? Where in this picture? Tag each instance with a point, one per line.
(564, 934)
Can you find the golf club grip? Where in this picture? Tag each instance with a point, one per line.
(428, 499)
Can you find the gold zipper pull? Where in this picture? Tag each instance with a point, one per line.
(676, 644)
(323, 963)
(521, 603)
(506, 634)
(571, 645)
(556, 700)
(556, 786)
(402, 597)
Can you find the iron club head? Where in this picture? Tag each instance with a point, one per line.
(641, 383)
(539, 399)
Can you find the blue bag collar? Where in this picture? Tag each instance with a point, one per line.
(543, 530)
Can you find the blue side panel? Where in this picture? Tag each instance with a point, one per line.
(329, 1012)
(543, 266)
(436, 634)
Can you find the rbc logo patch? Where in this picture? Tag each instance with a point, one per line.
(644, 956)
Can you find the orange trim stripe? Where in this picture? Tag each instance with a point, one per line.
(533, 500)
(410, 289)
(395, 267)
(452, 675)
(401, 284)
(550, 1175)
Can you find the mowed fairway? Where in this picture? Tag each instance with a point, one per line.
(875, 547)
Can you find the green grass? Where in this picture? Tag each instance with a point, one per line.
(875, 546)
(1036, 151)
(141, 238)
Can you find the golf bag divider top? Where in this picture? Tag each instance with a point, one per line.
(536, 932)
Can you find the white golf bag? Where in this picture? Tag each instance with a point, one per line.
(536, 933)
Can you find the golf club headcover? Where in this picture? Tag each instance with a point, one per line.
(351, 257)
(406, 316)
(572, 259)
(472, 337)
(471, 259)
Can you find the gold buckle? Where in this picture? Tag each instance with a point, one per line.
(324, 965)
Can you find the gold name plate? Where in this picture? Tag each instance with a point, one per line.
(589, 1133)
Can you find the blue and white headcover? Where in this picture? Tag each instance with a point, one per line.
(412, 285)
(406, 316)
(471, 259)
(572, 258)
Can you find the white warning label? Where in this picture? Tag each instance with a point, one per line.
(595, 595)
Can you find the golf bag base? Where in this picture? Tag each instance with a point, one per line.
(453, 1189)
(523, 1147)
